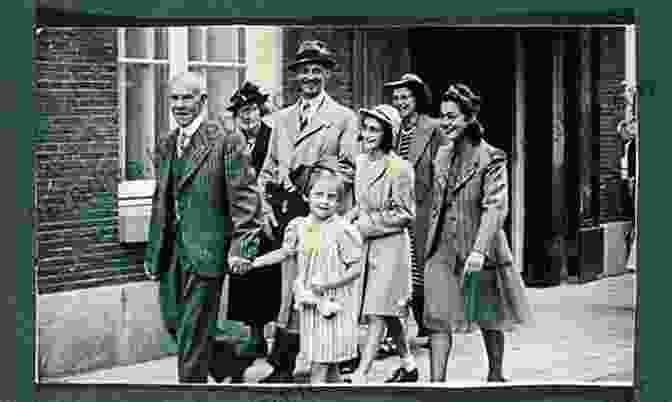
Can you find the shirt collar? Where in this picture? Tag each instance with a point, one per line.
(315, 102)
(193, 126)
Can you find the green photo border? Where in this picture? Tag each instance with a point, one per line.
(652, 67)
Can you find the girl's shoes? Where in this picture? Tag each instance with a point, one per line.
(403, 375)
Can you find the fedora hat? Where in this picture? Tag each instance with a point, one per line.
(248, 93)
(313, 51)
(387, 114)
(415, 84)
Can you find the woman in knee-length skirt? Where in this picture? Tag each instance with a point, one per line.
(466, 236)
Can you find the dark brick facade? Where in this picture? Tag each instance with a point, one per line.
(612, 73)
(76, 154)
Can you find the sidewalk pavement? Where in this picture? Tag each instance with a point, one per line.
(581, 333)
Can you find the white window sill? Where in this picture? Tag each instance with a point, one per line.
(135, 208)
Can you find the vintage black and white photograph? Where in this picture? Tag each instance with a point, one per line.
(311, 204)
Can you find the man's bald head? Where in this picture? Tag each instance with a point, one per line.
(190, 81)
(187, 97)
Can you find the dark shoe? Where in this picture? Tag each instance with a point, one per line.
(497, 378)
(403, 375)
(348, 367)
(277, 377)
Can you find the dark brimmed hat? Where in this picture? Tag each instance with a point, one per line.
(415, 84)
(247, 94)
(387, 114)
(464, 96)
(313, 51)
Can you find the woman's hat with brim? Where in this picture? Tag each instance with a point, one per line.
(313, 51)
(415, 84)
(387, 114)
(247, 94)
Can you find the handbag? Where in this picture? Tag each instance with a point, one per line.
(474, 308)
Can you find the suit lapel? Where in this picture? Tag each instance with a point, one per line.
(420, 140)
(468, 169)
(199, 150)
(318, 121)
(166, 152)
(292, 128)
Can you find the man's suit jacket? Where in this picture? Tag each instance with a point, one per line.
(332, 131)
(421, 154)
(216, 202)
(471, 205)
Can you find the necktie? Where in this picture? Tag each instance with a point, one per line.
(303, 118)
(183, 139)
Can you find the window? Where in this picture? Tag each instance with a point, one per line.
(147, 58)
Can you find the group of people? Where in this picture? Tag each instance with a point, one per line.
(325, 220)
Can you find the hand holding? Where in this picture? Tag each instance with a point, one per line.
(474, 263)
(239, 265)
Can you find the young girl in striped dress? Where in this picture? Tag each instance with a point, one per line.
(328, 252)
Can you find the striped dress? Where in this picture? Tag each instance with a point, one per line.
(324, 252)
(405, 141)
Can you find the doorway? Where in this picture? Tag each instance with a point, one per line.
(484, 60)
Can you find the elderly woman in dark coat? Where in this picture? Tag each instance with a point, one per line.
(466, 236)
(249, 106)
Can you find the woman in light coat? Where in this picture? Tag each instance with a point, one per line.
(384, 213)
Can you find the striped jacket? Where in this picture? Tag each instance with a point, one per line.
(471, 205)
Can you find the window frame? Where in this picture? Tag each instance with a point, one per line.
(135, 196)
(178, 41)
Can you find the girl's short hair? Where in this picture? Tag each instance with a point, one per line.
(323, 173)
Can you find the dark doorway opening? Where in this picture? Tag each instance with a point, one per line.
(483, 59)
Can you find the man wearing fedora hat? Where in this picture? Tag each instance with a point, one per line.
(315, 128)
(418, 142)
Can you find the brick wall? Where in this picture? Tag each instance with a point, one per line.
(340, 42)
(75, 154)
(612, 72)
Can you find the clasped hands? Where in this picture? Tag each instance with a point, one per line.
(239, 265)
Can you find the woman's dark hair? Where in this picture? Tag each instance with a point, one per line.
(470, 104)
(466, 99)
(387, 142)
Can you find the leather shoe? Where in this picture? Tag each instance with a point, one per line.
(497, 379)
(403, 375)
